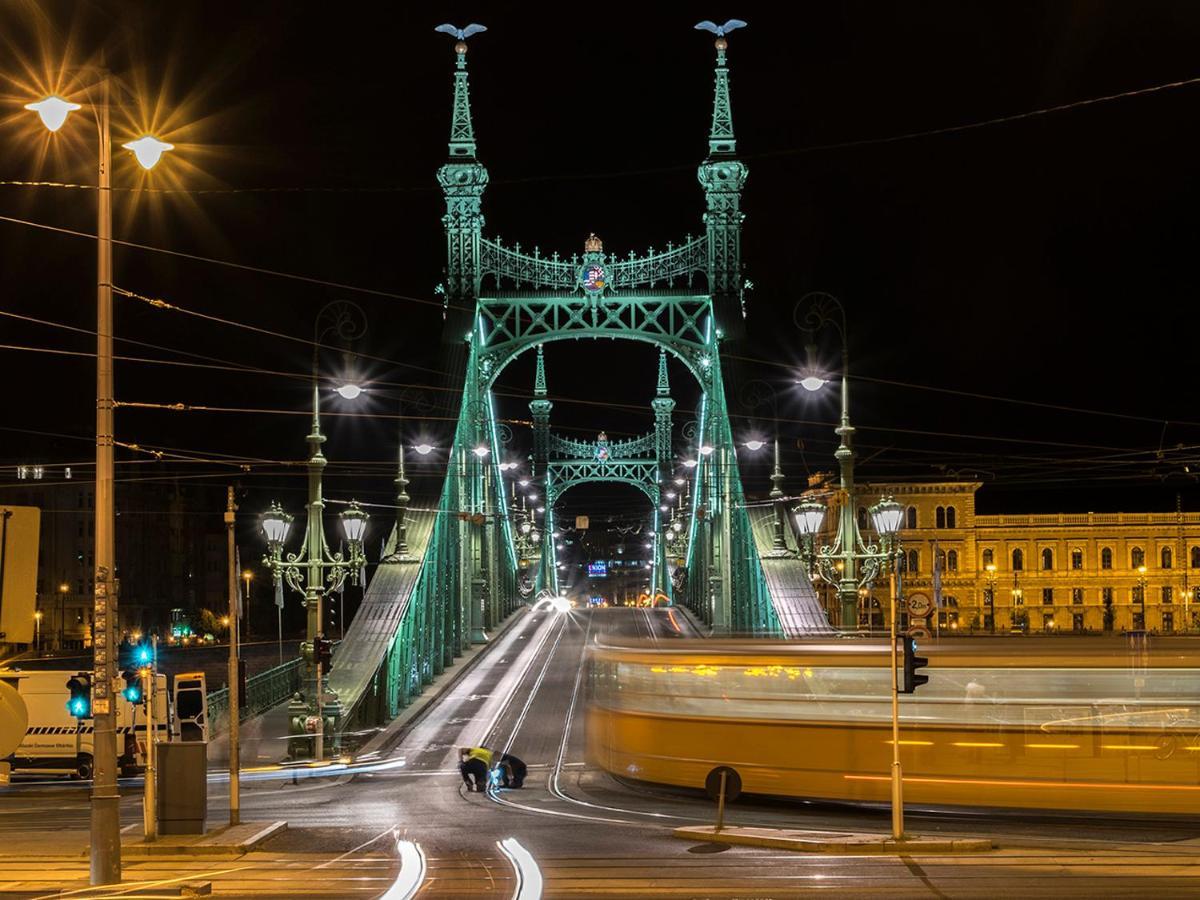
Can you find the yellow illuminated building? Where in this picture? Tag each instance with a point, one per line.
(1062, 572)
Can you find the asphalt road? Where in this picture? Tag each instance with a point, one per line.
(590, 835)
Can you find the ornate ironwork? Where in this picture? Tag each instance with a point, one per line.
(504, 268)
(569, 448)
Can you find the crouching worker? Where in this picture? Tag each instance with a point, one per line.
(512, 771)
(474, 763)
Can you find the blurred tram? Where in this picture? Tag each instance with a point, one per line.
(998, 725)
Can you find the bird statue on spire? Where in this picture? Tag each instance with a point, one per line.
(719, 30)
(462, 34)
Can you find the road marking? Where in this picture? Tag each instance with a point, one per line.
(412, 872)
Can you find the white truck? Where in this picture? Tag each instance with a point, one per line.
(58, 743)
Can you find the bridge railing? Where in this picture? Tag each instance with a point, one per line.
(263, 691)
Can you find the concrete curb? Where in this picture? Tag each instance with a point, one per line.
(820, 842)
(232, 840)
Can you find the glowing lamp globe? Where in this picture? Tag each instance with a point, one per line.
(812, 382)
(354, 521)
(148, 150)
(349, 391)
(809, 516)
(481, 451)
(888, 516)
(755, 444)
(424, 449)
(53, 111)
(276, 524)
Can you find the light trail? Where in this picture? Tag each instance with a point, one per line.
(529, 876)
(412, 872)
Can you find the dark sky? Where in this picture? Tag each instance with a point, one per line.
(1048, 260)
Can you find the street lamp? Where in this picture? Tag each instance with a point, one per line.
(990, 568)
(849, 548)
(105, 800)
(37, 630)
(247, 577)
(1140, 624)
(316, 573)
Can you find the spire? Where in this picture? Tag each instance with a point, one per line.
(539, 382)
(664, 386)
(402, 499)
(462, 133)
(315, 438)
(721, 141)
(463, 179)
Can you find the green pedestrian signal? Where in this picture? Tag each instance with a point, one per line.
(80, 704)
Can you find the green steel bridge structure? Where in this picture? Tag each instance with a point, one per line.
(450, 574)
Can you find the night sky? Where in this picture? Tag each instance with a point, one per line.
(1047, 260)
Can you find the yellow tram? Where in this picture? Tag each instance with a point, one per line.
(1000, 723)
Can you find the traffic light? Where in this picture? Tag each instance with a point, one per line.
(80, 704)
(323, 653)
(912, 662)
(143, 655)
(133, 685)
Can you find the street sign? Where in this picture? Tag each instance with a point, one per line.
(919, 632)
(919, 605)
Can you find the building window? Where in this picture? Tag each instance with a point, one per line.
(988, 597)
(950, 517)
(1047, 559)
(1106, 558)
(1077, 596)
(1167, 557)
(1196, 595)
(1168, 593)
(862, 518)
(1047, 621)
(1047, 596)
(914, 561)
(989, 558)
(939, 563)
(952, 561)
(1076, 558)
(1196, 557)
(1137, 557)
(912, 520)
(1168, 621)
(1106, 594)
(939, 517)
(1018, 560)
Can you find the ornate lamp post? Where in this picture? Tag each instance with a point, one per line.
(838, 563)
(1140, 623)
(105, 816)
(316, 573)
(991, 597)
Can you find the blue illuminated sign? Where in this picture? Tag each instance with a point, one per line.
(598, 569)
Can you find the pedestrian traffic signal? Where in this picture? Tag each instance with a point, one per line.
(912, 662)
(323, 653)
(143, 655)
(80, 704)
(133, 686)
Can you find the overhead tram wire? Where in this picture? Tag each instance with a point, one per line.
(258, 270)
(657, 170)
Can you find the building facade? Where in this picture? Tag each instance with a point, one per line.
(170, 551)
(1063, 572)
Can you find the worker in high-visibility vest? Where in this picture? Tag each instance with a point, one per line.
(474, 763)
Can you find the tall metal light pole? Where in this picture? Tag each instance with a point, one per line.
(888, 516)
(105, 800)
(838, 562)
(991, 600)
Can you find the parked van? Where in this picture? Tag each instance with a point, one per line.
(58, 743)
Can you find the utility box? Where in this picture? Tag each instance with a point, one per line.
(182, 782)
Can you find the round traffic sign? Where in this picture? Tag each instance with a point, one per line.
(918, 632)
(919, 605)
